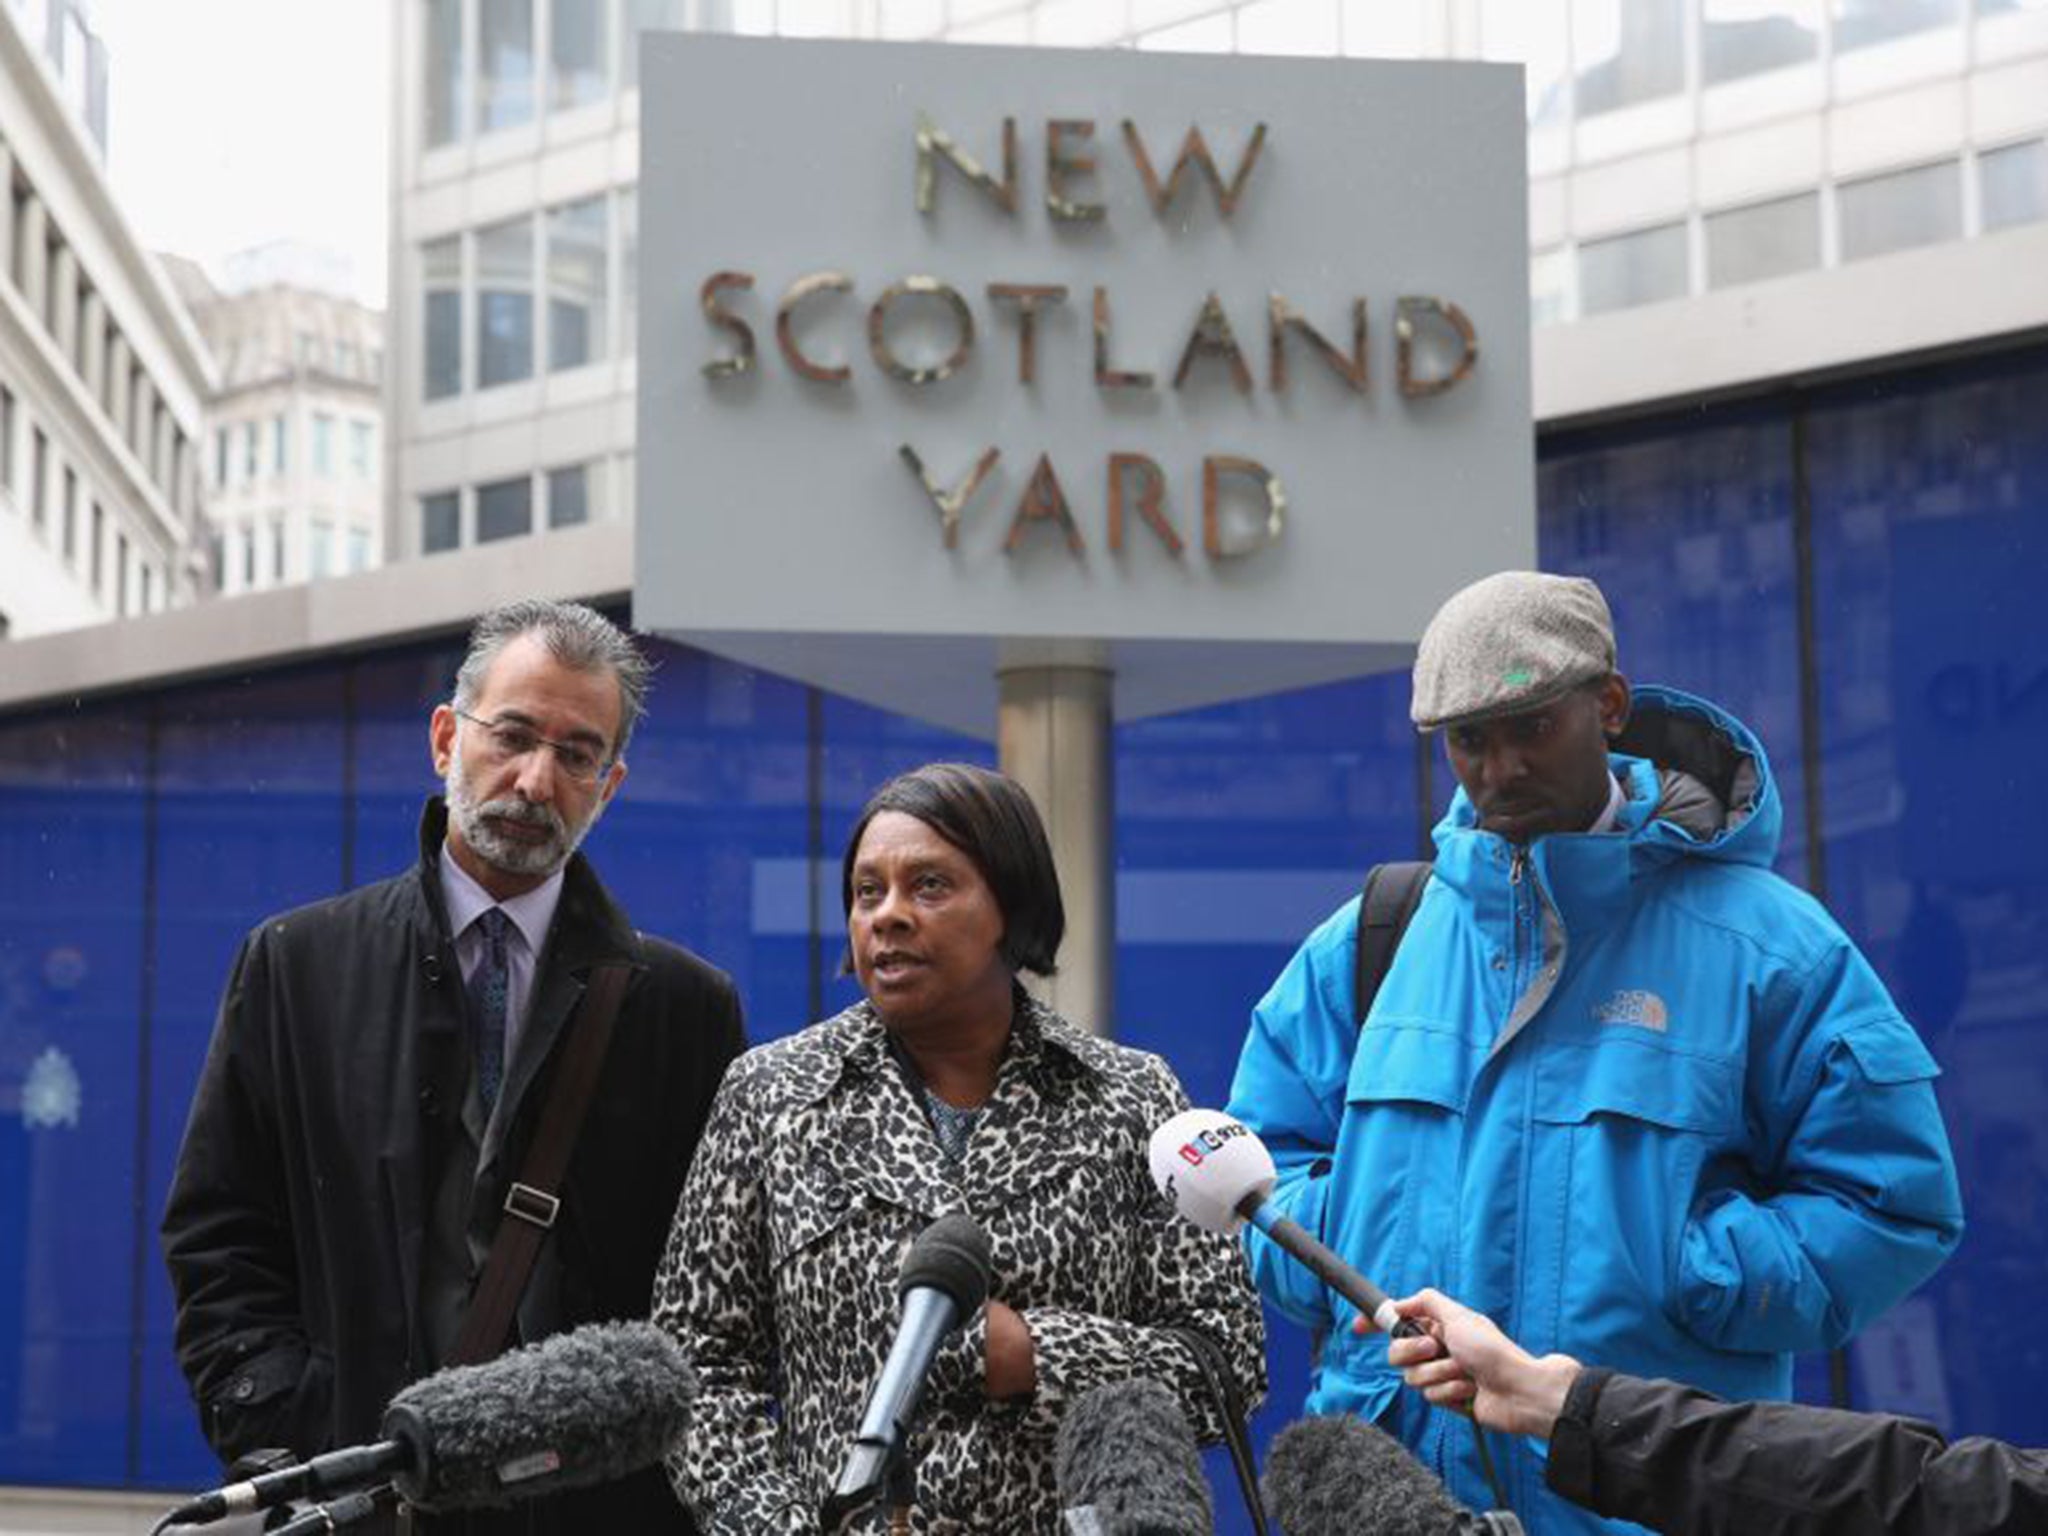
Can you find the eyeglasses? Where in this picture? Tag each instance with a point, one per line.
(509, 740)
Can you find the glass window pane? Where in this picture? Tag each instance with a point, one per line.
(573, 495)
(576, 47)
(504, 316)
(441, 312)
(645, 16)
(576, 283)
(322, 548)
(1640, 268)
(440, 522)
(1902, 210)
(1748, 37)
(1745, 245)
(2015, 184)
(358, 549)
(443, 75)
(323, 444)
(505, 64)
(504, 509)
(1627, 51)
(1858, 23)
(1549, 287)
(629, 268)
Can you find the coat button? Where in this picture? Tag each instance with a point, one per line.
(245, 1388)
(432, 967)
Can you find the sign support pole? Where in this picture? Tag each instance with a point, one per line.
(1053, 736)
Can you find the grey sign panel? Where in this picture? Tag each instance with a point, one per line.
(949, 355)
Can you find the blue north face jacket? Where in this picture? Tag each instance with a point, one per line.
(1633, 1096)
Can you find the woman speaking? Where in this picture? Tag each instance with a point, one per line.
(946, 1090)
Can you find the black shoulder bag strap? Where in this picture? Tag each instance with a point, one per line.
(1391, 894)
(1222, 1384)
(534, 1198)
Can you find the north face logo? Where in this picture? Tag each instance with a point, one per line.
(1645, 1010)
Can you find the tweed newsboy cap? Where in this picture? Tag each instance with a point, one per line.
(1512, 641)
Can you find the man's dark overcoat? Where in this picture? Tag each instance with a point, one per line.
(331, 1096)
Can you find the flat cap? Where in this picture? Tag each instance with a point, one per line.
(1512, 641)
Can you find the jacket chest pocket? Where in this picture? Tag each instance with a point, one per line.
(1623, 1133)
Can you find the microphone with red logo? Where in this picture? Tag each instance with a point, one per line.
(1219, 1175)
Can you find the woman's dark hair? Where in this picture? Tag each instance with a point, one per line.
(988, 817)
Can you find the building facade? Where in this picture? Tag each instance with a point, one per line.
(294, 427)
(103, 377)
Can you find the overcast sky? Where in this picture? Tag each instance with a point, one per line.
(232, 123)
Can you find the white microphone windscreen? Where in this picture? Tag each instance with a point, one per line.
(1209, 1166)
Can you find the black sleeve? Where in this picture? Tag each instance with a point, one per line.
(1689, 1464)
(227, 1241)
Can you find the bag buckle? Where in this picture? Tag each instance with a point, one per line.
(535, 1206)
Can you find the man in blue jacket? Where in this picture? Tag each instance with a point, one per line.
(1623, 1089)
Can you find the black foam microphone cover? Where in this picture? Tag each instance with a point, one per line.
(1124, 1451)
(1340, 1476)
(950, 1256)
(581, 1408)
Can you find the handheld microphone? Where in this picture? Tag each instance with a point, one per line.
(945, 1280)
(1218, 1174)
(1340, 1476)
(1127, 1465)
(582, 1407)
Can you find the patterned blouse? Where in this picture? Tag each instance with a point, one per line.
(817, 1170)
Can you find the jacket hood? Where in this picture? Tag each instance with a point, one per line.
(1698, 780)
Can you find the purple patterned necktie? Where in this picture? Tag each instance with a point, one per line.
(489, 988)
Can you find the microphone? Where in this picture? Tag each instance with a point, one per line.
(945, 1281)
(1340, 1476)
(579, 1408)
(1126, 1464)
(1218, 1174)
(349, 1509)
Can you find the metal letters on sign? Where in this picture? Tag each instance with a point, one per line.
(1165, 354)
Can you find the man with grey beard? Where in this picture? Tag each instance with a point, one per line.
(381, 1063)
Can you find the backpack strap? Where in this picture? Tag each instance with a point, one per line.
(1391, 894)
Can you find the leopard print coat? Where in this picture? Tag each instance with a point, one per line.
(817, 1170)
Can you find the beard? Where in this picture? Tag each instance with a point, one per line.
(477, 821)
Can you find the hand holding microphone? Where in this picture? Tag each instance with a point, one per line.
(1469, 1365)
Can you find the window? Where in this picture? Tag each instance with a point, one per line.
(323, 443)
(441, 287)
(148, 604)
(6, 440)
(1901, 210)
(1742, 37)
(246, 543)
(358, 549)
(569, 494)
(220, 457)
(504, 322)
(440, 522)
(1746, 245)
(345, 359)
(1859, 23)
(96, 553)
(359, 441)
(504, 509)
(280, 443)
(278, 547)
(576, 283)
(217, 552)
(67, 527)
(252, 440)
(504, 64)
(576, 49)
(645, 16)
(629, 268)
(322, 548)
(1640, 268)
(2014, 181)
(38, 477)
(444, 77)
(121, 574)
(1549, 287)
(1627, 51)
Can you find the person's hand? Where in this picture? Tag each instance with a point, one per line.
(1462, 1361)
(1012, 1369)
